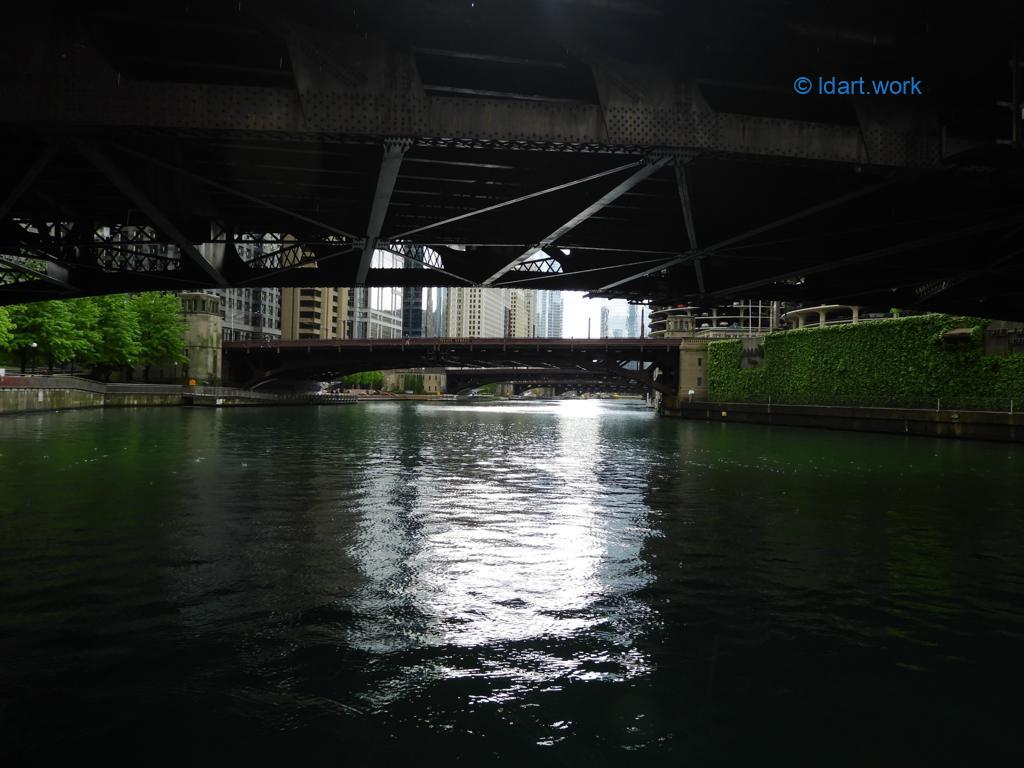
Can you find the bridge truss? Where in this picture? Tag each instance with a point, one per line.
(643, 149)
(650, 363)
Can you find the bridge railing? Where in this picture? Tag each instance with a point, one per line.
(22, 381)
(269, 397)
(443, 341)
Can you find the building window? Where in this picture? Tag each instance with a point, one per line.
(699, 363)
(699, 381)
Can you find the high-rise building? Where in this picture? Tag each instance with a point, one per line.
(414, 317)
(633, 321)
(314, 313)
(376, 312)
(549, 314)
(249, 314)
(740, 318)
(620, 320)
(436, 312)
(617, 328)
(477, 312)
(522, 308)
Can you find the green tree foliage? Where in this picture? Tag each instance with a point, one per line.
(902, 361)
(6, 326)
(106, 332)
(364, 380)
(50, 326)
(86, 316)
(111, 327)
(161, 328)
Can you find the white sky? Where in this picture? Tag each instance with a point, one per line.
(576, 310)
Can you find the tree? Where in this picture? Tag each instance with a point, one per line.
(110, 329)
(6, 327)
(50, 326)
(161, 329)
(85, 314)
(364, 380)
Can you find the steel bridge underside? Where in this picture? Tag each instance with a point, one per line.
(641, 149)
(250, 363)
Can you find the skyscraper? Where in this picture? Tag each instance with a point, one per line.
(522, 313)
(436, 312)
(620, 320)
(314, 313)
(414, 318)
(249, 314)
(376, 312)
(549, 314)
(477, 312)
(633, 321)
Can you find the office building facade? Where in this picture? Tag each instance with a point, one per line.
(477, 312)
(522, 311)
(314, 313)
(549, 306)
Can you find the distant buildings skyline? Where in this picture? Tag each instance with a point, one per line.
(618, 322)
(412, 312)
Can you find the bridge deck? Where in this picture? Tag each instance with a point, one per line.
(648, 149)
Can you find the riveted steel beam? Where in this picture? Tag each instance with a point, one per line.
(697, 253)
(390, 164)
(873, 255)
(522, 198)
(129, 189)
(55, 274)
(27, 179)
(238, 193)
(645, 171)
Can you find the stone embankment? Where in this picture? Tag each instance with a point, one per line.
(24, 394)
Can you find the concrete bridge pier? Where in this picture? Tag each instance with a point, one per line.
(692, 377)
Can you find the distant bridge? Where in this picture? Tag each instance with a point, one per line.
(559, 379)
(251, 362)
(647, 149)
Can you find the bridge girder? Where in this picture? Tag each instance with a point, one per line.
(249, 363)
(501, 149)
(622, 380)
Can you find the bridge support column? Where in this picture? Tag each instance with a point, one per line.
(693, 370)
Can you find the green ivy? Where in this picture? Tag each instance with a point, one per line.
(901, 361)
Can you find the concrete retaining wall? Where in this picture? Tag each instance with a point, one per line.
(27, 400)
(134, 400)
(970, 425)
(24, 394)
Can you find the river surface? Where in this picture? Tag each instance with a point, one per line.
(573, 583)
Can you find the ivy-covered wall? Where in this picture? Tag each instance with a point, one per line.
(902, 361)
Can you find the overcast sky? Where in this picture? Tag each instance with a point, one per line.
(576, 310)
